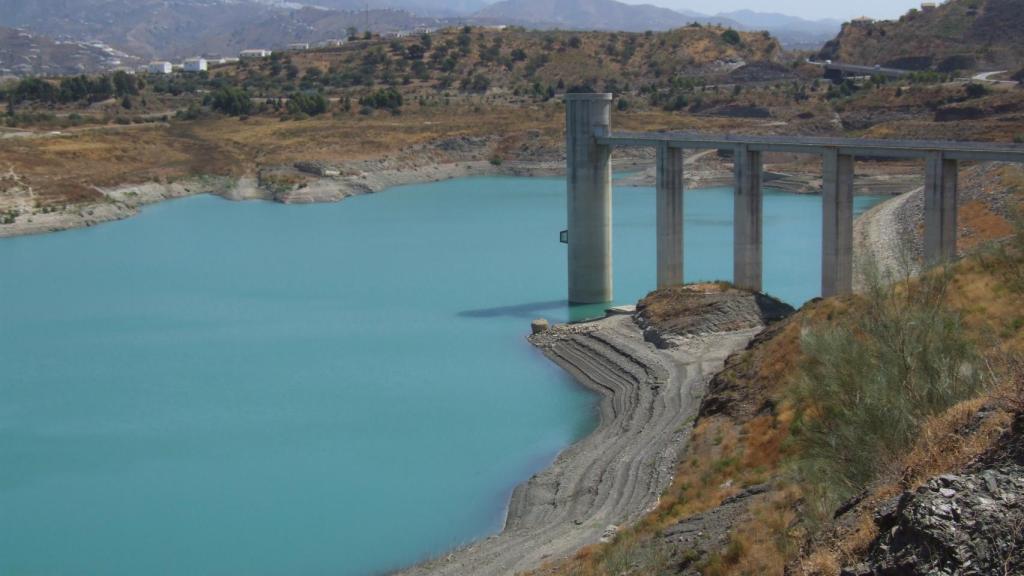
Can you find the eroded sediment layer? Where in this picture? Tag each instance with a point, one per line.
(611, 477)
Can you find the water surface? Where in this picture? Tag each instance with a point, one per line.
(248, 388)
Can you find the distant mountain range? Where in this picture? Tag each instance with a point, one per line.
(590, 15)
(149, 29)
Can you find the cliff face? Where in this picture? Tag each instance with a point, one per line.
(958, 35)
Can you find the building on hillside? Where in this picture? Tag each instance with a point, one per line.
(162, 67)
(298, 46)
(332, 43)
(196, 65)
(394, 34)
(425, 30)
(253, 54)
(928, 6)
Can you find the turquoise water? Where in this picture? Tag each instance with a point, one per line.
(249, 388)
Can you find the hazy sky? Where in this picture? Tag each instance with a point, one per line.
(811, 9)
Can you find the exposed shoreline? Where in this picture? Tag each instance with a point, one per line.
(125, 201)
(618, 472)
(575, 502)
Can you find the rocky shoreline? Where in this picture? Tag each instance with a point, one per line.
(617, 473)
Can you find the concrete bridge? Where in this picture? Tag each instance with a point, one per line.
(590, 140)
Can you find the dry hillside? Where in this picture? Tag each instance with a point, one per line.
(957, 35)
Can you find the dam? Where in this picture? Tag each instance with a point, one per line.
(589, 143)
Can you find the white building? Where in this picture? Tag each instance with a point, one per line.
(160, 68)
(332, 43)
(195, 65)
(253, 54)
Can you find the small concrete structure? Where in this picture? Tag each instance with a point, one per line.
(160, 68)
(195, 65)
(589, 140)
(298, 46)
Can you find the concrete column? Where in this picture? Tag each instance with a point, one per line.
(837, 224)
(589, 181)
(940, 198)
(670, 215)
(747, 220)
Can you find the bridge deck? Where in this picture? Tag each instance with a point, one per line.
(980, 151)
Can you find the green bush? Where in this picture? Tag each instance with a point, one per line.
(309, 104)
(231, 101)
(732, 37)
(384, 98)
(974, 90)
(869, 381)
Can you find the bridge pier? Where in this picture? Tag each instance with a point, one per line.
(589, 181)
(837, 223)
(747, 219)
(940, 199)
(670, 215)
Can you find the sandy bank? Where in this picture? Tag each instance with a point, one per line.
(612, 477)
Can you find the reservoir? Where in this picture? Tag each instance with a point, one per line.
(223, 388)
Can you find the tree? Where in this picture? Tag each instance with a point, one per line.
(126, 102)
(732, 37)
(231, 101)
(415, 52)
(388, 98)
(352, 33)
(309, 103)
(575, 42)
(125, 84)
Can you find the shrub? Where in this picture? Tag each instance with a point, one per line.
(309, 104)
(1018, 139)
(974, 90)
(231, 101)
(869, 381)
(384, 98)
(732, 37)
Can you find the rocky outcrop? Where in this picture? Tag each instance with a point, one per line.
(670, 316)
(963, 524)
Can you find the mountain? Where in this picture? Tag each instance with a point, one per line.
(437, 8)
(792, 31)
(957, 35)
(23, 53)
(179, 28)
(589, 15)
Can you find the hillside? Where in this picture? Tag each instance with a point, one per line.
(22, 52)
(181, 28)
(958, 35)
(590, 15)
(518, 62)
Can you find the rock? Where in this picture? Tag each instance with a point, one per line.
(609, 533)
(967, 524)
(539, 326)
